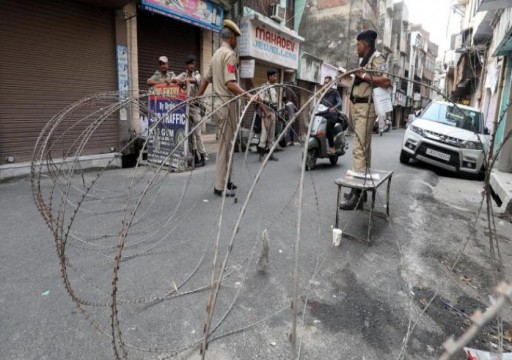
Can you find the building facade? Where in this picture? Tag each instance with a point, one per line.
(77, 48)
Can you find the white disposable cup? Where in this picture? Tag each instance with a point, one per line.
(336, 236)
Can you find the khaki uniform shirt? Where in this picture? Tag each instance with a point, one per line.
(157, 76)
(222, 70)
(364, 89)
(193, 87)
(269, 95)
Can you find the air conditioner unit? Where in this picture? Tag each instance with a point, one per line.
(278, 13)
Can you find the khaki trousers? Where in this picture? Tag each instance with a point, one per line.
(226, 122)
(363, 118)
(194, 114)
(268, 135)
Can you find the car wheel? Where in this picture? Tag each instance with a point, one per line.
(404, 157)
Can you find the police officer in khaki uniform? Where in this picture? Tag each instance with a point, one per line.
(162, 75)
(362, 111)
(192, 78)
(222, 74)
(268, 128)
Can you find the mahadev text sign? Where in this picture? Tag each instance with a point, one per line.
(203, 13)
(262, 42)
(168, 125)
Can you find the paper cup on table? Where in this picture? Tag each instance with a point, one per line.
(336, 237)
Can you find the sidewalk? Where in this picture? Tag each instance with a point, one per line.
(501, 185)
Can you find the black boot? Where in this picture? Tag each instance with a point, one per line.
(200, 160)
(261, 151)
(348, 195)
(355, 200)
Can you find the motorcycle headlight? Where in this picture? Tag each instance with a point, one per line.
(473, 145)
(416, 129)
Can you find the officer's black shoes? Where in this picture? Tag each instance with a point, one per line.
(232, 186)
(348, 195)
(261, 151)
(355, 200)
(200, 161)
(273, 158)
(229, 192)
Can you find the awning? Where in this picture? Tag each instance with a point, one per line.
(202, 13)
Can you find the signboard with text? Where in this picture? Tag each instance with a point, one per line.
(262, 42)
(168, 125)
(247, 68)
(123, 83)
(203, 13)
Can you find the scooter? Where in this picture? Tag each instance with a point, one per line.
(317, 144)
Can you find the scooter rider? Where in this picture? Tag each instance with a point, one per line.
(332, 100)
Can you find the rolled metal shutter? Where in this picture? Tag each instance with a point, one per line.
(158, 35)
(54, 52)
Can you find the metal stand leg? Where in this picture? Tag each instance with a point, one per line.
(387, 195)
(370, 221)
(338, 207)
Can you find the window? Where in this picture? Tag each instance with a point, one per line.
(454, 116)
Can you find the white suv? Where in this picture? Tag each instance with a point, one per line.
(447, 136)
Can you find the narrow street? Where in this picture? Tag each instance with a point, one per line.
(357, 301)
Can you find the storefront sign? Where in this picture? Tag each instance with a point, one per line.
(400, 99)
(203, 13)
(263, 42)
(168, 125)
(123, 84)
(247, 68)
(329, 70)
(310, 68)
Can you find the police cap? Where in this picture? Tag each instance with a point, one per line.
(190, 59)
(367, 35)
(232, 26)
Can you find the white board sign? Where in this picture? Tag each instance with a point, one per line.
(247, 68)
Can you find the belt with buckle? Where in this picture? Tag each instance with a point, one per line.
(360, 100)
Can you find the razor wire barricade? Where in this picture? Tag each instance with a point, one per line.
(104, 236)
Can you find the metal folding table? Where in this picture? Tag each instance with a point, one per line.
(366, 185)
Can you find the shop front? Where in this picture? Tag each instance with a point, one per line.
(54, 53)
(399, 109)
(164, 28)
(264, 45)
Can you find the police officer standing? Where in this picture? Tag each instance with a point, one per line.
(192, 78)
(362, 111)
(222, 74)
(268, 128)
(162, 75)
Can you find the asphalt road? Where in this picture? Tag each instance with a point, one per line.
(358, 301)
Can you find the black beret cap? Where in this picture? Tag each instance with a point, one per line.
(367, 35)
(271, 72)
(190, 59)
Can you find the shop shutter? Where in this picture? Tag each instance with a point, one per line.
(54, 52)
(159, 35)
